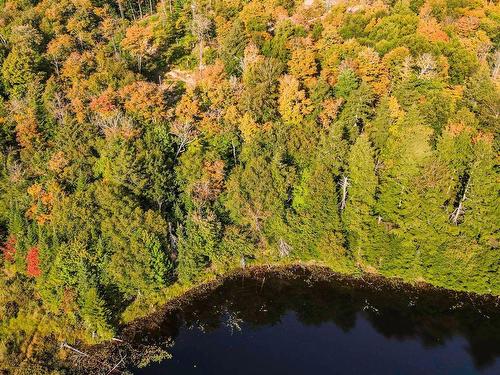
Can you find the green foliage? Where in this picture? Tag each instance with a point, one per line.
(463, 63)
(315, 221)
(23, 65)
(362, 138)
(95, 315)
(261, 88)
(278, 46)
(483, 98)
(197, 248)
(346, 84)
(357, 111)
(361, 183)
(232, 48)
(392, 30)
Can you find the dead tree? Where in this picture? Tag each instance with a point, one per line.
(496, 68)
(459, 210)
(140, 8)
(284, 248)
(115, 124)
(173, 239)
(120, 8)
(122, 360)
(344, 184)
(426, 64)
(200, 27)
(79, 352)
(186, 133)
(234, 151)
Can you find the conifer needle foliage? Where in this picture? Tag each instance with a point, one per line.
(148, 145)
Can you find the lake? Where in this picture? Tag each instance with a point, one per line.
(303, 321)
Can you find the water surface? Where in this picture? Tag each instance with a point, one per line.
(302, 323)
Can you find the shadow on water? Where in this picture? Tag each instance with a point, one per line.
(298, 300)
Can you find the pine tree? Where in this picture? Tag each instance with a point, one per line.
(198, 245)
(232, 47)
(315, 219)
(481, 210)
(358, 215)
(481, 205)
(95, 316)
(347, 82)
(357, 111)
(406, 153)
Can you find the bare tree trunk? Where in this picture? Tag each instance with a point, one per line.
(114, 48)
(80, 40)
(459, 211)
(284, 248)
(120, 7)
(344, 184)
(117, 364)
(164, 8)
(201, 54)
(172, 238)
(496, 67)
(132, 10)
(56, 64)
(64, 345)
(400, 203)
(179, 149)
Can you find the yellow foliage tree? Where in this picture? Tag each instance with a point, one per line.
(302, 64)
(373, 71)
(293, 103)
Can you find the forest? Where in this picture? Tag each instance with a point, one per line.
(150, 145)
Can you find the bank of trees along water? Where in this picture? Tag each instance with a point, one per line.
(147, 144)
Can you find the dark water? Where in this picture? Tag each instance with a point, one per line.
(305, 324)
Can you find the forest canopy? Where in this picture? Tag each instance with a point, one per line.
(147, 145)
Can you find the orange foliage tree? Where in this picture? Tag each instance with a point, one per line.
(33, 262)
(9, 248)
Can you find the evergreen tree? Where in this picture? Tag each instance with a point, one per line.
(232, 47)
(360, 186)
(406, 153)
(95, 315)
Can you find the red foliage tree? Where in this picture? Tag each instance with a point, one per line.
(33, 262)
(9, 248)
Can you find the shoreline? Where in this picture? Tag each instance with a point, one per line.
(317, 273)
(134, 336)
